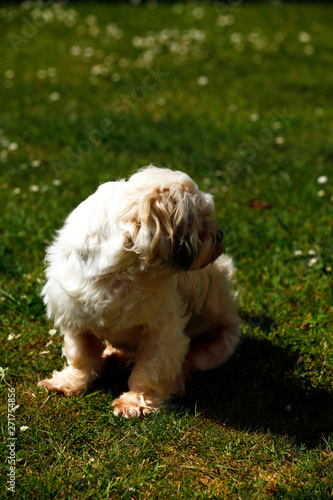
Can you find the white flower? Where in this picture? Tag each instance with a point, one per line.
(279, 140)
(312, 252)
(321, 193)
(97, 69)
(56, 182)
(254, 117)
(198, 12)
(34, 188)
(277, 125)
(235, 38)
(260, 44)
(288, 407)
(52, 72)
(91, 460)
(53, 331)
(36, 163)
(322, 179)
(75, 50)
(41, 74)
(253, 37)
(313, 261)
(202, 80)
(12, 146)
(17, 191)
(309, 50)
(226, 20)
(9, 74)
(304, 37)
(137, 41)
(298, 253)
(55, 96)
(24, 428)
(88, 52)
(91, 20)
(11, 336)
(113, 30)
(44, 352)
(2, 371)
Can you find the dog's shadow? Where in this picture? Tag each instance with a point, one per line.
(255, 390)
(258, 390)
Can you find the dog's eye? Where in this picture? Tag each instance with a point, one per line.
(219, 236)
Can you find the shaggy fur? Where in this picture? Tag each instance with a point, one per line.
(137, 273)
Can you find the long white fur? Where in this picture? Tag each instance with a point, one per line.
(137, 265)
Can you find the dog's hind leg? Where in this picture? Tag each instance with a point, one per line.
(209, 351)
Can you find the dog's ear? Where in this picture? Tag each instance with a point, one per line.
(165, 228)
(171, 226)
(187, 245)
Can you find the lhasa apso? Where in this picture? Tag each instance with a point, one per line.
(137, 273)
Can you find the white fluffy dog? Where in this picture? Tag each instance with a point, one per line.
(137, 265)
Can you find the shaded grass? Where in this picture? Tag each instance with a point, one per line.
(259, 427)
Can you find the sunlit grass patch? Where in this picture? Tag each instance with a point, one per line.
(240, 98)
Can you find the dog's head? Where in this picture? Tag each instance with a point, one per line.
(169, 221)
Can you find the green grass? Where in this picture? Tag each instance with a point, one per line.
(260, 128)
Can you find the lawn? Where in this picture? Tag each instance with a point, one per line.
(238, 95)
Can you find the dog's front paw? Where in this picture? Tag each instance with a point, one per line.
(53, 385)
(132, 404)
(65, 382)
